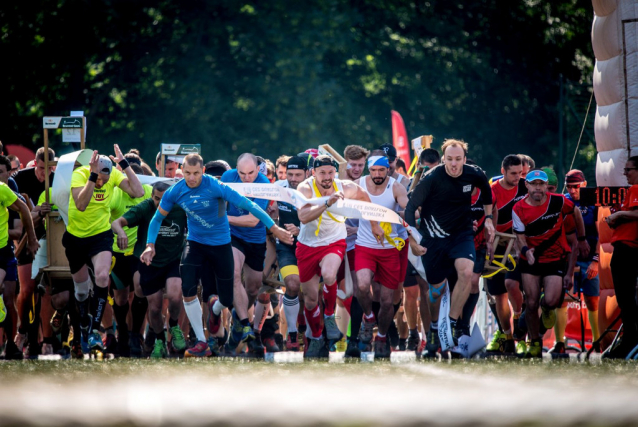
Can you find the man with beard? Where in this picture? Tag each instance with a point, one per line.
(538, 222)
(380, 260)
(391, 152)
(288, 219)
(444, 195)
(320, 249)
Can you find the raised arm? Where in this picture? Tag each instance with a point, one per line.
(131, 185)
(82, 195)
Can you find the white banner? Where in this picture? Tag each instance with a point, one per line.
(61, 189)
(445, 329)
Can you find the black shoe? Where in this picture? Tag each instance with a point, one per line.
(279, 340)
(11, 351)
(352, 350)
(621, 351)
(519, 331)
(413, 342)
(149, 342)
(271, 345)
(135, 345)
(255, 346)
(402, 344)
(123, 349)
(393, 335)
(110, 346)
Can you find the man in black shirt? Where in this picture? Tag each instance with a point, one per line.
(30, 181)
(444, 195)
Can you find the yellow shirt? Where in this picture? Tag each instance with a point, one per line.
(7, 198)
(120, 203)
(95, 219)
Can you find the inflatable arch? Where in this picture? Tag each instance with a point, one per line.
(615, 44)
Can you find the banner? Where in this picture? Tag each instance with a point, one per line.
(61, 189)
(400, 137)
(467, 346)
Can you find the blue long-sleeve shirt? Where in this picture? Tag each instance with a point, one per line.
(205, 208)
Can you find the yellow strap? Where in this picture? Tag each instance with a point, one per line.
(112, 264)
(318, 194)
(397, 242)
(413, 165)
(501, 265)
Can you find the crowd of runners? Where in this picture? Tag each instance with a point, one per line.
(184, 268)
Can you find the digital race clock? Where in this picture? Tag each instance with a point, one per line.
(602, 196)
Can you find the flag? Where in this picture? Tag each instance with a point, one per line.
(400, 138)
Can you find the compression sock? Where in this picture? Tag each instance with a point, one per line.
(468, 310)
(356, 314)
(161, 336)
(194, 313)
(121, 312)
(99, 304)
(218, 307)
(261, 312)
(138, 312)
(172, 322)
(495, 315)
(434, 326)
(314, 321)
(291, 311)
(329, 299)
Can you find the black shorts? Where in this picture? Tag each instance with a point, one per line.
(479, 263)
(9, 264)
(496, 284)
(286, 255)
(61, 285)
(123, 270)
(545, 269)
(255, 253)
(153, 279)
(441, 254)
(410, 276)
(80, 250)
(213, 265)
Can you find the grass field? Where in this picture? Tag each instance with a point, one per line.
(242, 392)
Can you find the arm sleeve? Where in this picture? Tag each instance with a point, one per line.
(419, 194)
(517, 224)
(154, 227)
(242, 202)
(167, 200)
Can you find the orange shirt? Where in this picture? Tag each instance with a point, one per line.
(627, 231)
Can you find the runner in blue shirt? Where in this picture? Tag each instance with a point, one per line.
(248, 238)
(208, 255)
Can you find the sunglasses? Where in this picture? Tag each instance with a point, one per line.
(629, 169)
(573, 186)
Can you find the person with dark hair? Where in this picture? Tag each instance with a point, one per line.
(429, 157)
(133, 159)
(170, 166)
(161, 275)
(624, 265)
(215, 168)
(30, 181)
(391, 153)
(280, 167)
(320, 249)
(15, 164)
(208, 255)
(444, 195)
(505, 286)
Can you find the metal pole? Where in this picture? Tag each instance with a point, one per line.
(561, 119)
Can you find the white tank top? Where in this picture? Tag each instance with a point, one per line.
(330, 231)
(385, 199)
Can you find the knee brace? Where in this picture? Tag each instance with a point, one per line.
(82, 290)
(435, 292)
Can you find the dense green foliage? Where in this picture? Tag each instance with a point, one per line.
(281, 76)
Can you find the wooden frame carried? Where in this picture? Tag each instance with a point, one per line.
(343, 165)
(499, 239)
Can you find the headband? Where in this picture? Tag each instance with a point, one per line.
(378, 161)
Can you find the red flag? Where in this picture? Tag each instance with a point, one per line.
(400, 138)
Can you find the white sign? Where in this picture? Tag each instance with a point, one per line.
(73, 135)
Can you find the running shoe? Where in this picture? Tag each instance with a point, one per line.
(76, 350)
(11, 352)
(149, 341)
(177, 338)
(316, 348)
(159, 350)
(214, 320)
(403, 344)
(123, 350)
(47, 349)
(213, 345)
(381, 348)
(236, 329)
(332, 330)
(413, 341)
(84, 339)
(535, 349)
(292, 343)
(521, 349)
(95, 341)
(509, 347)
(247, 334)
(496, 345)
(432, 345)
(352, 350)
(57, 320)
(366, 331)
(279, 340)
(201, 349)
(255, 346)
(135, 344)
(559, 348)
(519, 331)
(270, 344)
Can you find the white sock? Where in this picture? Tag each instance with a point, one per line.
(261, 312)
(291, 311)
(218, 307)
(194, 312)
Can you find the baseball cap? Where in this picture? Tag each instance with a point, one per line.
(574, 176)
(104, 165)
(535, 175)
(325, 160)
(297, 162)
(552, 179)
(308, 158)
(390, 151)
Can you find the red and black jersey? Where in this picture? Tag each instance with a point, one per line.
(627, 231)
(543, 226)
(505, 201)
(478, 215)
